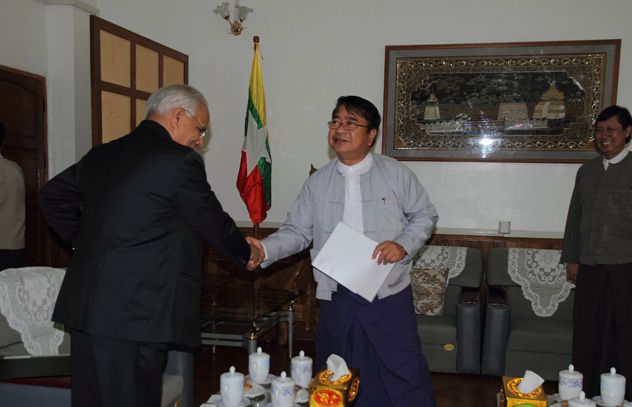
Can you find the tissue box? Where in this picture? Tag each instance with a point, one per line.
(510, 395)
(339, 393)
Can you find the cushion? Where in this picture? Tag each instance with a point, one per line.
(27, 299)
(428, 287)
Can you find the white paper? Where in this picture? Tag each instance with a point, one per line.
(346, 257)
(337, 366)
(530, 381)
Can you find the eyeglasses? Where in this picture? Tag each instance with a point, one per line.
(608, 131)
(347, 125)
(203, 130)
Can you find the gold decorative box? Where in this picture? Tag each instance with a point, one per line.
(510, 396)
(339, 393)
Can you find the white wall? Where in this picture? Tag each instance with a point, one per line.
(23, 35)
(53, 41)
(315, 51)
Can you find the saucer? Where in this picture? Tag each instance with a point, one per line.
(599, 401)
(556, 397)
(301, 396)
(254, 390)
(266, 382)
(216, 399)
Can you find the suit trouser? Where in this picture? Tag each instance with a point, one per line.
(109, 372)
(602, 324)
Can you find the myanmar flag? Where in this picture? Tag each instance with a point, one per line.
(254, 179)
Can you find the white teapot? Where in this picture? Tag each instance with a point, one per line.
(612, 388)
(283, 391)
(570, 383)
(231, 387)
(258, 366)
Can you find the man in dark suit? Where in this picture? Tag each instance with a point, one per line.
(136, 210)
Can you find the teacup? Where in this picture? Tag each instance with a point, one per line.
(231, 387)
(258, 366)
(302, 370)
(581, 401)
(612, 388)
(282, 391)
(570, 383)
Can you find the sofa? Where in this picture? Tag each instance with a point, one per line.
(451, 334)
(529, 313)
(35, 354)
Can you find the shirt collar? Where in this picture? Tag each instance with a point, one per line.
(357, 169)
(617, 158)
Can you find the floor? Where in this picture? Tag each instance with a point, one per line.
(451, 390)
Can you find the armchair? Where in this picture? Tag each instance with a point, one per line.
(451, 342)
(529, 323)
(35, 362)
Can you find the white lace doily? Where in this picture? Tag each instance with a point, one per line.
(27, 299)
(541, 277)
(436, 257)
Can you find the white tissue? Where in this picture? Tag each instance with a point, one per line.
(338, 366)
(530, 381)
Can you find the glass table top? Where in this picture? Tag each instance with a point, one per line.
(244, 304)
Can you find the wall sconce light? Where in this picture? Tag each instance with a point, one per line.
(239, 16)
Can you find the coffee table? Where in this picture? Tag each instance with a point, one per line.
(239, 316)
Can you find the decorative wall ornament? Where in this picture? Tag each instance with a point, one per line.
(497, 102)
(239, 16)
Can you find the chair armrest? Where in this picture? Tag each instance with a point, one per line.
(468, 336)
(469, 295)
(181, 363)
(496, 296)
(34, 366)
(497, 320)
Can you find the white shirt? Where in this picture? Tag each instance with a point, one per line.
(616, 159)
(352, 214)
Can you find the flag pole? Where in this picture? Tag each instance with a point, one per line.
(256, 231)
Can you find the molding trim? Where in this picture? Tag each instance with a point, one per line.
(82, 5)
(528, 234)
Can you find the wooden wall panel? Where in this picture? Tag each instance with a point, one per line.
(116, 65)
(147, 68)
(131, 67)
(174, 71)
(140, 110)
(115, 115)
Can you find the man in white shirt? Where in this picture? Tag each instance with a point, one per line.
(383, 199)
(12, 211)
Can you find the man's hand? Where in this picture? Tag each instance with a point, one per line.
(388, 252)
(257, 253)
(571, 272)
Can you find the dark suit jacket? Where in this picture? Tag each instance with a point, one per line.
(136, 210)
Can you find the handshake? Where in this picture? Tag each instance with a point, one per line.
(257, 254)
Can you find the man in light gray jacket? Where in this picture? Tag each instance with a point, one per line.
(381, 198)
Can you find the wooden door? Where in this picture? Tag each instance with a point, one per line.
(23, 112)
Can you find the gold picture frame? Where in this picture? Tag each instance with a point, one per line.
(522, 102)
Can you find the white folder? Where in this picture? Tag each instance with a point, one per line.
(346, 257)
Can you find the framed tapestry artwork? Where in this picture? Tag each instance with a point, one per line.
(523, 102)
